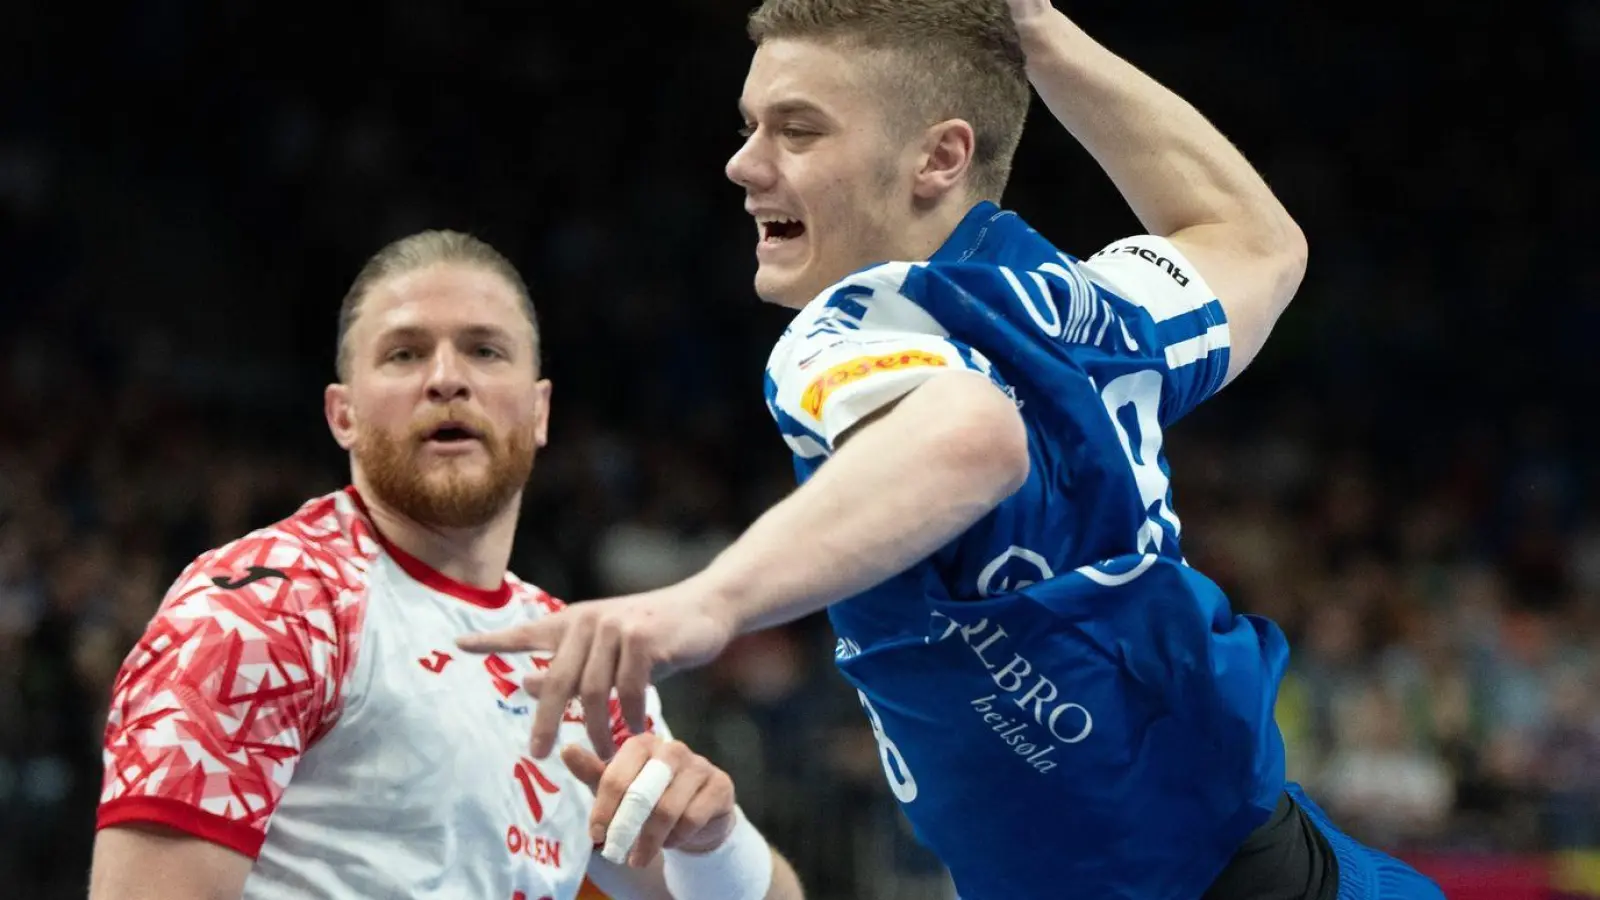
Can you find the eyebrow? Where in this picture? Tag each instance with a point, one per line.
(788, 108)
(471, 332)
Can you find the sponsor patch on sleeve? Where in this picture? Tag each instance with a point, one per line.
(854, 370)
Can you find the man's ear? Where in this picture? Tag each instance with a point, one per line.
(340, 414)
(946, 157)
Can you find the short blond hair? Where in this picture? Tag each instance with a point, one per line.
(949, 59)
(418, 251)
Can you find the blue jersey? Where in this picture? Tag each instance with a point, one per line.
(1064, 707)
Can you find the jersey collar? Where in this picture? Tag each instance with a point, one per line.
(488, 598)
(970, 234)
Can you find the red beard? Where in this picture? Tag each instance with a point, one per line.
(446, 493)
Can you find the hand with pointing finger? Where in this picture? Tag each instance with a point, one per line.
(623, 643)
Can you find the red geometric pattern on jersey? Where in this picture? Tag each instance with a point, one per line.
(206, 739)
(229, 685)
(540, 598)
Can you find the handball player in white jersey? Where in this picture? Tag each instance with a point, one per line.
(297, 721)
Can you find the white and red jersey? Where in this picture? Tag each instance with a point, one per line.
(298, 698)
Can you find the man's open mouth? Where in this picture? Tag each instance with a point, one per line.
(453, 433)
(776, 231)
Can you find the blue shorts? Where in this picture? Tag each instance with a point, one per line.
(1365, 873)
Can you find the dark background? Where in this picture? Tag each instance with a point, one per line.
(1406, 479)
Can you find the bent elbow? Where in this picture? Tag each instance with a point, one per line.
(1277, 258)
(1292, 259)
(1276, 250)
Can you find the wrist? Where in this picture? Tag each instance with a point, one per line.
(1045, 34)
(713, 842)
(723, 593)
(1034, 23)
(739, 868)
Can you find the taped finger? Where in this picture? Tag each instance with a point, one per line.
(638, 801)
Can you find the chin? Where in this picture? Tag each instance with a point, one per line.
(770, 289)
(786, 289)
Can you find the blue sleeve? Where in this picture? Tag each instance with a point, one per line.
(1136, 306)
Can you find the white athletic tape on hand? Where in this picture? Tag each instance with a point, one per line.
(638, 801)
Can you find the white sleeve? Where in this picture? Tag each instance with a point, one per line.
(834, 387)
(1151, 272)
(860, 346)
(1176, 319)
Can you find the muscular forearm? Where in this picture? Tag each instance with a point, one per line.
(1175, 170)
(899, 489)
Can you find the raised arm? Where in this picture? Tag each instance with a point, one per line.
(1182, 178)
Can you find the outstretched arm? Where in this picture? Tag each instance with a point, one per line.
(900, 485)
(1182, 178)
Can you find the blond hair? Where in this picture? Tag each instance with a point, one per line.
(418, 251)
(948, 59)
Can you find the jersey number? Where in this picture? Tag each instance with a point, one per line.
(1140, 392)
(900, 779)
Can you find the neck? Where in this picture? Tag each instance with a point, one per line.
(934, 226)
(476, 556)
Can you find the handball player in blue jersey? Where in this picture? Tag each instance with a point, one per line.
(1064, 707)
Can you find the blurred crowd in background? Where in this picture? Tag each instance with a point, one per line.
(1407, 481)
